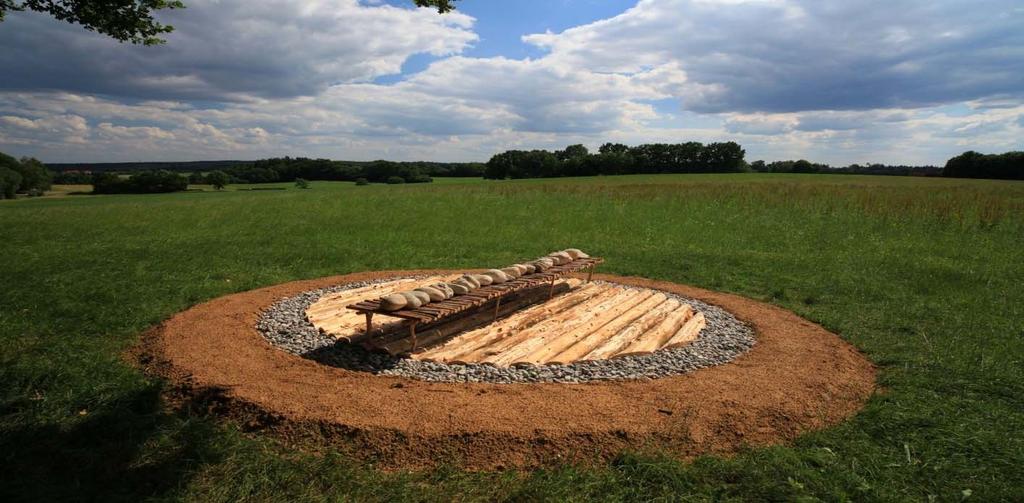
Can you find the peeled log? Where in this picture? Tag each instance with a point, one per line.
(540, 335)
(588, 323)
(653, 339)
(470, 341)
(486, 353)
(599, 336)
(625, 336)
(329, 314)
(688, 333)
(432, 334)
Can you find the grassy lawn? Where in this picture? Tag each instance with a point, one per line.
(926, 276)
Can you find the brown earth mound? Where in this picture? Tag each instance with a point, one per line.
(798, 377)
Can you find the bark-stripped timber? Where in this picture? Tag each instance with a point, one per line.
(532, 295)
(330, 302)
(620, 340)
(474, 339)
(437, 333)
(330, 316)
(481, 295)
(487, 353)
(592, 321)
(688, 333)
(597, 337)
(539, 337)
(654, 338)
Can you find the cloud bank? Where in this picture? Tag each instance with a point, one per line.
(910, 81)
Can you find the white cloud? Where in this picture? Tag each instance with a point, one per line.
(827, 81)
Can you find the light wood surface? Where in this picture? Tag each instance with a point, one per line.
(582, 321)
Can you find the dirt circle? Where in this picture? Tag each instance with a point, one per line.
(798, 377)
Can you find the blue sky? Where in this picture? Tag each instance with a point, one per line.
(832, 81)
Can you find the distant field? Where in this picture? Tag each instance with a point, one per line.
(924, 275)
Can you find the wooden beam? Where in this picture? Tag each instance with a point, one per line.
(688, 333)
(587, 323)
(597, 337)
(438, 335)
(620, 340)
(476, 339)
(539, 336)
(496, 346)
(652, 340)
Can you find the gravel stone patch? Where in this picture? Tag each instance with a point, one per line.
(284, 324)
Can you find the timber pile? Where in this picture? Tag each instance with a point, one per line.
(592, 322)
(526, 314)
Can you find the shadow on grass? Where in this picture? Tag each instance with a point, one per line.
(132, 451)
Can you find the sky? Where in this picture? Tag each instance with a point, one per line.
(836, 81)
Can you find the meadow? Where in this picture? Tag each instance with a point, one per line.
(925, 276)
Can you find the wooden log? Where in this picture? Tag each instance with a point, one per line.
(471, 341)
(588, 323)
(597, 337)
(496, 346)
(539, 337)
(652, 340)
(330, 301)
(620, 340)
(688, 333)
(441, 332)
(330, 315)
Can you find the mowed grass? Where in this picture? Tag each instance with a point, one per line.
(926, 276)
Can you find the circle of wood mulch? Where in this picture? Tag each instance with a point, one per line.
(798, 377)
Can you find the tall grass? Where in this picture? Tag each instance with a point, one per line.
(923, 275)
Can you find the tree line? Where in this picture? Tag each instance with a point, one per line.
(618, 159)
(971, 164)
(25, 176)
(805, 166)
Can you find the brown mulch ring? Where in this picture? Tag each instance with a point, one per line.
(798, 377)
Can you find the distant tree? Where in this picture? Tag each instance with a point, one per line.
(301, 183)
(395, 180)
(613, 148)
(142, 182)
(362, 181)
(572, 152)
(9, 182)
(803, 166)
(1005, 166)
(218, 179)
(34, 175)
(759, 166)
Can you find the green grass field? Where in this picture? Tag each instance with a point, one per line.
(926, 276)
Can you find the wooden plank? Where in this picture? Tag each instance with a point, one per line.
(597, 337)
(620, 340)
(587, 323)
(442, 331)
(345, 297)
(393, 336)
(653, 339)
(532, 339)
(471, 341)
(500, 345)
(688, 333)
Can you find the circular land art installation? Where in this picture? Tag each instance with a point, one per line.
(571, 370)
